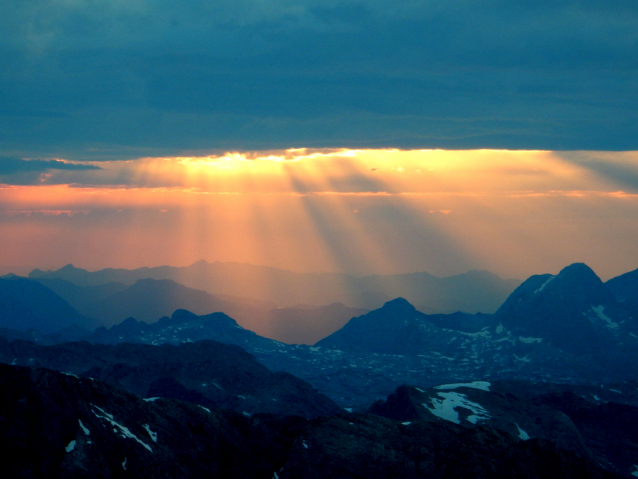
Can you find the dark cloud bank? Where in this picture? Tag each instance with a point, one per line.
(152, 77)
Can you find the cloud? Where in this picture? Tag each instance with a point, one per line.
(10, 166)
(110, 75)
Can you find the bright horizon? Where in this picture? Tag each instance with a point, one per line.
(385, 211)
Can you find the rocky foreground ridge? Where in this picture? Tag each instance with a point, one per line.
(54, 424)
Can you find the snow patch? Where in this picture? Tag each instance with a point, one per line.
(482, 385)
(150, 399)
(153, 435)
(70, 446)
(70, 374)
(635, 471)
(205, 409)
(445, 408)
(525, 358)
(420, 390)
(481, 334)
(84, 429)
(123, 430)
(530, 340)
(601, 315)
(304, 444)
(124, 463)
(406, 423)
(544, 284)
(499, 328)
(522, 435)
(349, 409)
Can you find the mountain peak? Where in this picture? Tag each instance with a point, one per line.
(398, 305)
(578, 270)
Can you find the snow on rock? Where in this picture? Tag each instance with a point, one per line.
(445, 408)
(153, 435)
(150, 399)
(599, 310)
(124, 463)
(205, 409)
(529, 340)
(524, 359)
(70, 446)
(522, 435)
(635, 471)
(116, 426)
(482, 385)
(84, 428)
(544, 284)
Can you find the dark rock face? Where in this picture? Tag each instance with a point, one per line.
(604, 433)
(59, 425)
(625, 290)
(206, 372)
(56, 425)
(364, 446)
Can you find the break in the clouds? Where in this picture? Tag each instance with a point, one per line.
(111, 79)
(516, 213)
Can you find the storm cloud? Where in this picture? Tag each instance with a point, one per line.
(110, 79)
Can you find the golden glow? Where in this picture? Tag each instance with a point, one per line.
(369, 211)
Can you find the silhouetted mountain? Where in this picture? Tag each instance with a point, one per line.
(60, 425)
(82, 298)
(206, 372)
(563, 328)
(572, 310)
(26, 305)
(591, 428)
(148, 299)
(183, 327)
(471, 292)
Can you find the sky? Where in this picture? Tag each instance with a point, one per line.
(364, 137)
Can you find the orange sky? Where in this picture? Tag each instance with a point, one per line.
(515, 213)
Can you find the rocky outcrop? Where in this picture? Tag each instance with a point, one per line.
(60, 425)
(600, 431)
(206, 372)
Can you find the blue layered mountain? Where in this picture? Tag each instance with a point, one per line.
(625, 290)
(574, 311)
(26, 305)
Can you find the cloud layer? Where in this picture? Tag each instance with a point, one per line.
(112, 79)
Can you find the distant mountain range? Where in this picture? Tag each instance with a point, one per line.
(527, 338)
(470, 292)
(543, 387)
